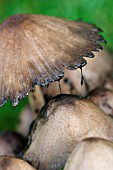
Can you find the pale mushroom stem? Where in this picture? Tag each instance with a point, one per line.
(36, 100)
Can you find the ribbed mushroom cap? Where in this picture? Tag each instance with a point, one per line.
(95, 73)
(91, 154)
(35, 49)
(12, 163)
(67, 120)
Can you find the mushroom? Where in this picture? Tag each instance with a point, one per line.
(64, 121)
(35, 50)
(91, 154)
(36, 100)
(109, 83)
(25, 120)
(103, 98)
(12, 163)
(11, 143)
(95, 73)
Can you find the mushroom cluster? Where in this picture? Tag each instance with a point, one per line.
(42, 50)
(97, 74)
(63, 122)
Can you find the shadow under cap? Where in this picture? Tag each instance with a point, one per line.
(35, 49)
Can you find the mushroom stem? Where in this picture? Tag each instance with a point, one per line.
(36, 100)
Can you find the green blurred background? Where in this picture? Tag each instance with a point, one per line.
(99, 12)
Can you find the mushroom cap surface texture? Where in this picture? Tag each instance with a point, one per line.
(64, 121)
(12, 163)
(35, 49)
(91, 154)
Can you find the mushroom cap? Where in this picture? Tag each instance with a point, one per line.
(103, 98)
(65, 120)
(109, 83)
(91, 154)
(35, 49)
(12, 163)
(95, 73)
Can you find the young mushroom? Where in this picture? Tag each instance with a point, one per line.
(35, 49)
(91, 154)
(63, 122)
(12, 163)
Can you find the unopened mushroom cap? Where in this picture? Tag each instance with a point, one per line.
(91, 154)
(65, 120)
(12, 163)
(34, 49)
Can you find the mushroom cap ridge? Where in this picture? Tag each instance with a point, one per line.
(35, 49)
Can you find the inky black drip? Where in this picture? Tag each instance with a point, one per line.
(59, 86)
(82, 77)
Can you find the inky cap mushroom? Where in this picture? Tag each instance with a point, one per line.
(35, 49)
(65, 120)
(11, 143)
(91, 154)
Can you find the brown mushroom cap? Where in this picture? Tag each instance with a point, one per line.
(12, 163)
(35, 49)
(67, 120)
(91, 154)
(95, 73)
